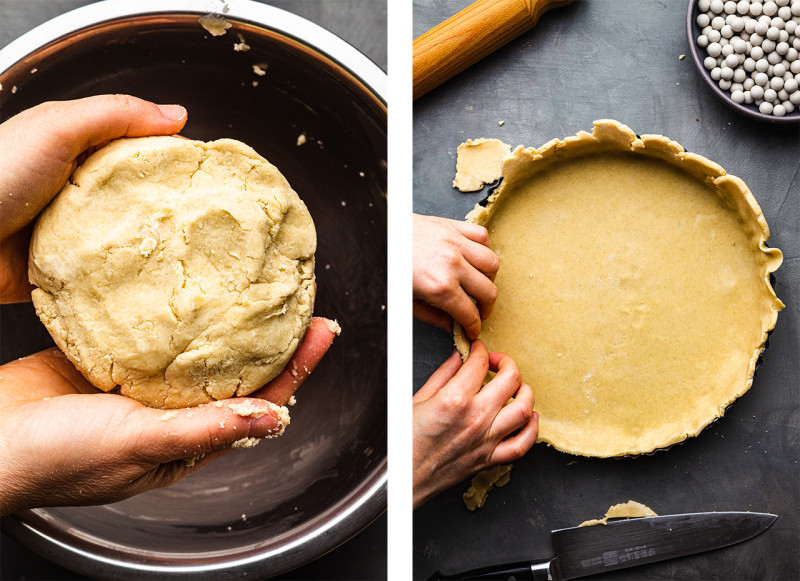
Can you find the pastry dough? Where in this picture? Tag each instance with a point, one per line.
(479, 162)
(483, 482)
(630, 509)
(634, 288)
(175, 272)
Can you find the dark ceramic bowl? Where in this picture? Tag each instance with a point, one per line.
(259, 512)
(699, 54)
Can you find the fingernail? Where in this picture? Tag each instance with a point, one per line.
(172, 112)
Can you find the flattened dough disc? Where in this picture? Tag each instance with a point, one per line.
(175, 272)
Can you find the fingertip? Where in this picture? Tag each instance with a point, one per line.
(477, 362)
(269, 426)
(246, 420)
(188, 432)
(174, 113)
(485, 310)
(453, 363)
(327, 328)
(478, 346)
(499, 359)
(474, 232)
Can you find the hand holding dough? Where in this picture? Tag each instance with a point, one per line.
(462, 426)
(61, 441)
(41, 148)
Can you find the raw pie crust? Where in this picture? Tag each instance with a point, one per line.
(634, 288)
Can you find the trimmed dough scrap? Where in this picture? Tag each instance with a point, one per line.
(479, 162)
(175, 272)
(634, 291)
(483, 482)
(630, 509)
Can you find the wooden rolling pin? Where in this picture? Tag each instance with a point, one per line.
(467, 37)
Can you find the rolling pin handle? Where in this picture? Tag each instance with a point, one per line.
(470, 35)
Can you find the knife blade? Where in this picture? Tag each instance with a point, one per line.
(584, 551)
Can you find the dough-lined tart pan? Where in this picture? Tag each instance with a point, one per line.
(634, 288)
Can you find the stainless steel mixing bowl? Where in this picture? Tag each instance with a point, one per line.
(258, 512)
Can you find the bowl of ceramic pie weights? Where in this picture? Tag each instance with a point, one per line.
(748, 54)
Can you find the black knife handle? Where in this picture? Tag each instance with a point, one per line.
(524, 571)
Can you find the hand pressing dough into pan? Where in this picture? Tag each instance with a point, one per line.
(634, 288)
(175, 272)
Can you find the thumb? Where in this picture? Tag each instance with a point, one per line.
(439, 378)
(73, 126)
(41, 145)
(166, 435)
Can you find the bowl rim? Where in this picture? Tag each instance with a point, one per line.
(370, 498)
(748, 110)
(370, 505)
(263, 15)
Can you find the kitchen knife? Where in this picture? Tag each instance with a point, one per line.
(583, 551)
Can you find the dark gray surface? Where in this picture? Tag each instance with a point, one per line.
(361, 22)
(620, 59)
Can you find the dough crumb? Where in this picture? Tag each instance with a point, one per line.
(260, 69)
(630, 509)
(501, 123)
(292, 400)
(190, 462)
(246, 443)
(169, 415)
(216, 25)
(483, 482)
(334, 327)
(13, 89)
(241, 46)
(301, 139)
(681, 57)
(246, 409)
(479, 162)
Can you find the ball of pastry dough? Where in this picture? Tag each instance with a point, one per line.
(175, 272)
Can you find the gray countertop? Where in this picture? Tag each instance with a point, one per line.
(620, 59)
(363, 24)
